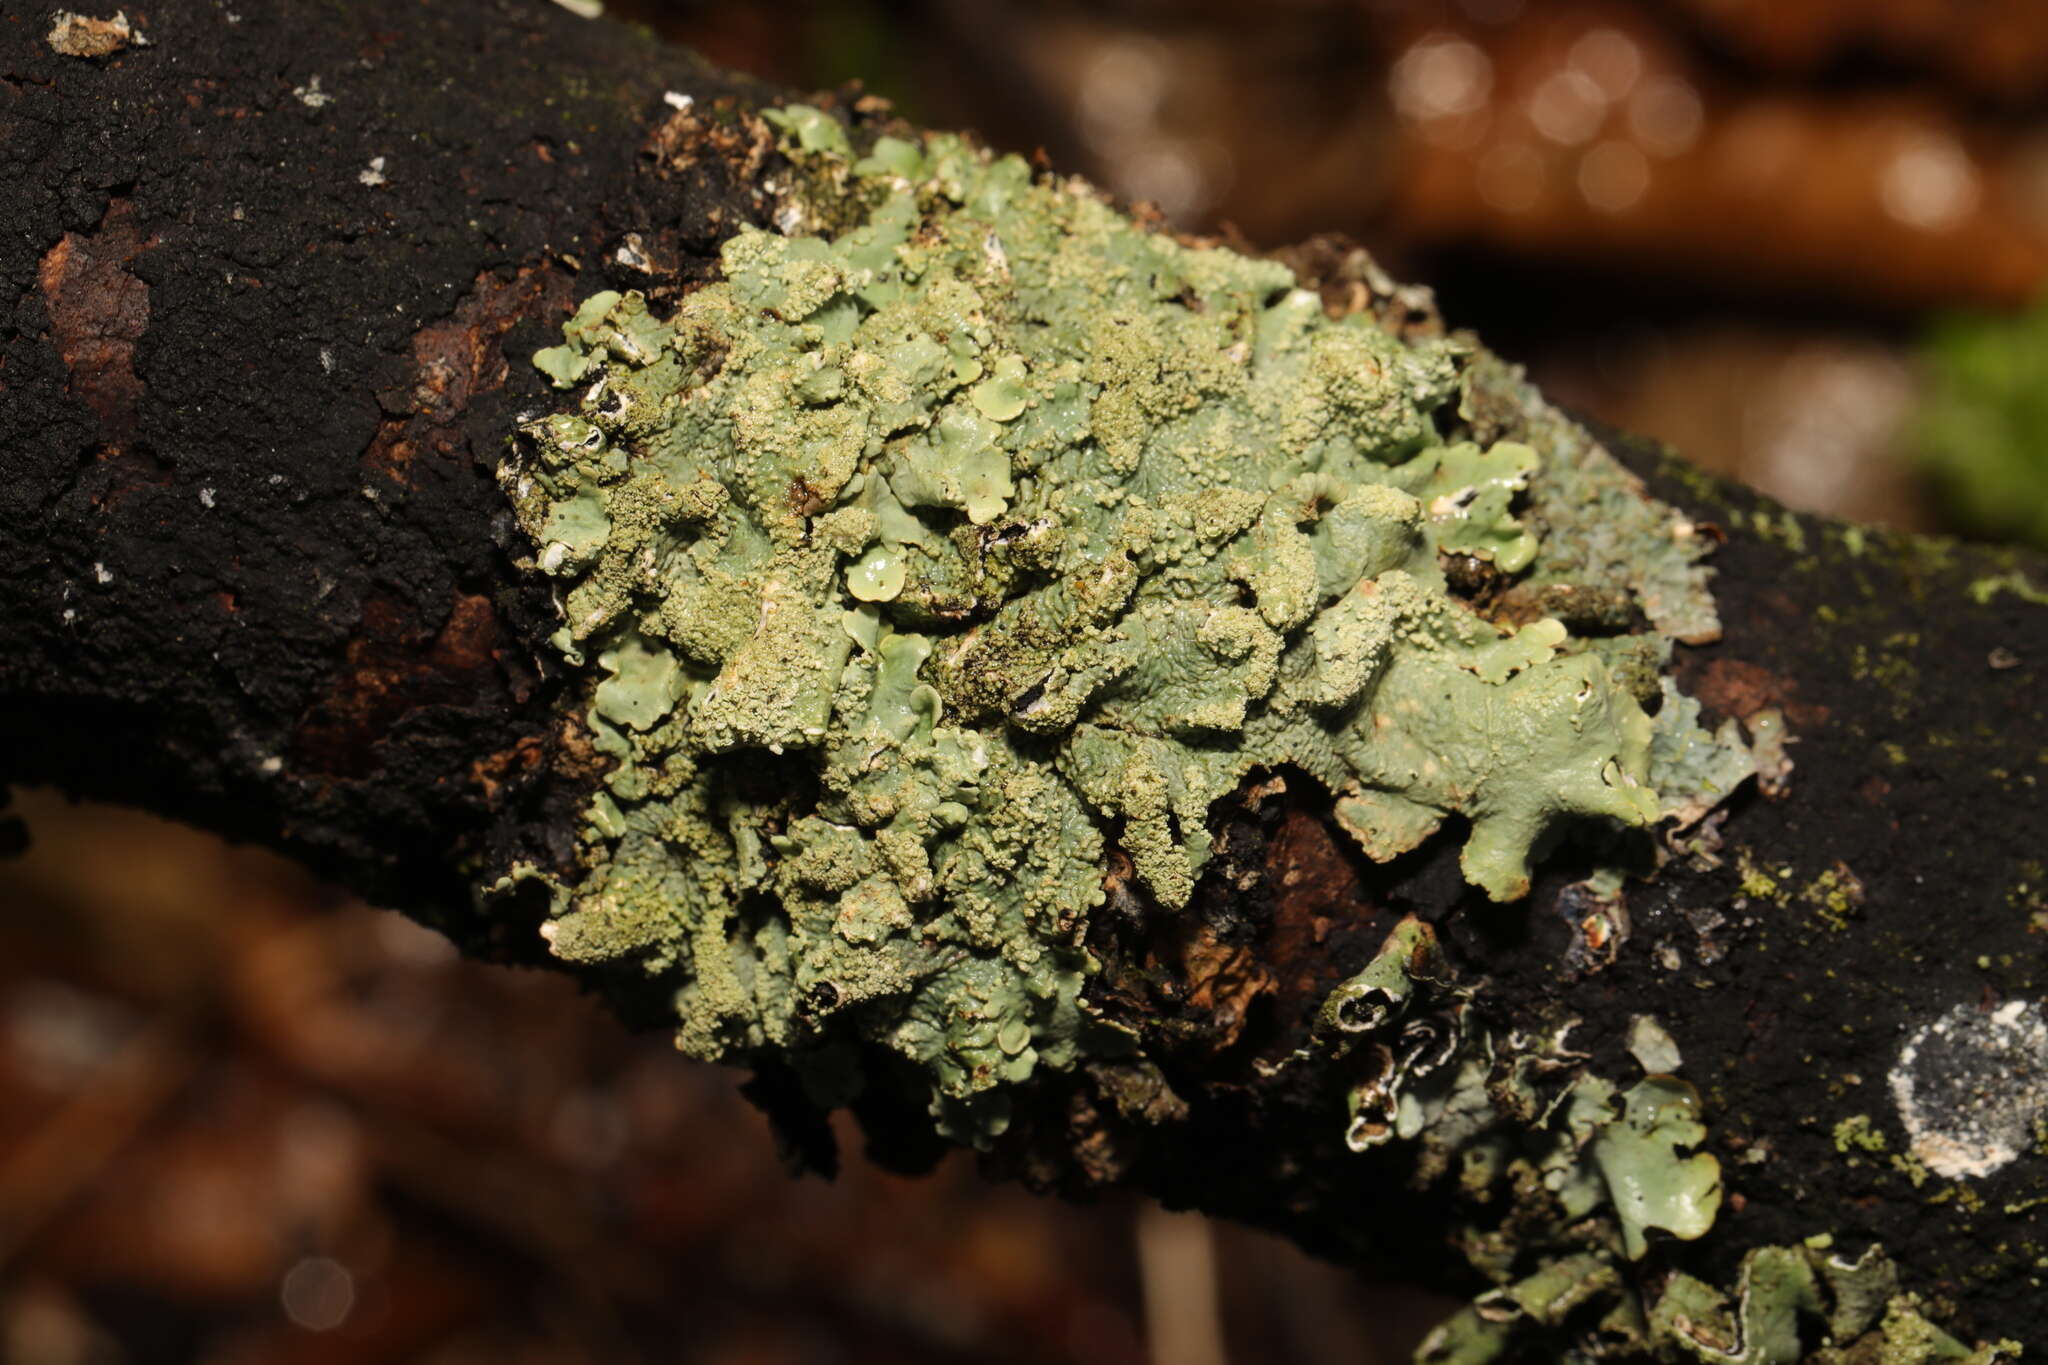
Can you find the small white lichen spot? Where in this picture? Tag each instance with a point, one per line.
(676, 99)
(79, 35)
(271, 765)
(311, 95)
(102, 573)
(1767, 740)
(326, 360)
(1652, 1046)
(206, 498)
(374, 174)
(583, 9)
(1971, 1086)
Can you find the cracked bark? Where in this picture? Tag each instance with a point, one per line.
(271, 280)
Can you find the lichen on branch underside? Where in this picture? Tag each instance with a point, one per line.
(916, 564)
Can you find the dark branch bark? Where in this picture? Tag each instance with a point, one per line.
(271, 282)
(264, 275)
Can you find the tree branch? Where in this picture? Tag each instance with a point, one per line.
(273, 282)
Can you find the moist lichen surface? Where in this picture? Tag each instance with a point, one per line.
(917, 564)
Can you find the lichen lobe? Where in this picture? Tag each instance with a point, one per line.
(916, 563)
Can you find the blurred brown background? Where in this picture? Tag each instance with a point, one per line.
(246, 1119)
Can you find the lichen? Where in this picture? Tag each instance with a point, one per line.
(1786, 1295)
(1556, 1167)
(1650, 1177)
(81, 35)
(1694, 771)
(917, 563)
(1790, 1304)
(1564, 1182)
(1420, 1066)
(1592, 520)
(1971, 1087)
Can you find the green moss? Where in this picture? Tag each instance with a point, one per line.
(915, 563)
(1978, 431)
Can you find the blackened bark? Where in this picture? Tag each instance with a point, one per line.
(270, 280)
(270, 283)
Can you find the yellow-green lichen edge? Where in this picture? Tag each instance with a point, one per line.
(917, 562)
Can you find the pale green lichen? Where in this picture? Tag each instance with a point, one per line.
(1427, 1072)
(1694, 771)
(1560, 1183)
(1650, 1177)
(1593, 522)
(1794, 1305)
(918, 563)
(1784, 1294)
(1562, 1179)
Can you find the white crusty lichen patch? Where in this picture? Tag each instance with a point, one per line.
(916, 564)
(1972, 1087)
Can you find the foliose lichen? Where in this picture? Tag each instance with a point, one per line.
(917, 561)
(1790, 1305)
(1562, 1181)
(1575, 1170)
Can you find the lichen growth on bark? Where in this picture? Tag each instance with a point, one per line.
(1791, 1305)
(918, 562)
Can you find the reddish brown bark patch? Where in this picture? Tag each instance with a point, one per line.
(98, 311)
(1223, 980)
(1317, 897)
(727, 134)
(396, 664)
(453, 361)
(491, 773)
(1733, 687)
